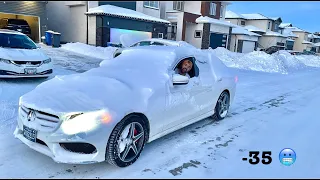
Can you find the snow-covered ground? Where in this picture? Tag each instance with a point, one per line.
(275, 107)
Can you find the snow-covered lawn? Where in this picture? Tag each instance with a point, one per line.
(275, 107)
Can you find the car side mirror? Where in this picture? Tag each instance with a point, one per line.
(178, 79)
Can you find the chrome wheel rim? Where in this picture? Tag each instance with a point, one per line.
(130, 141)
(223, 105)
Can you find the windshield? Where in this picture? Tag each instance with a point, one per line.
(16, 41)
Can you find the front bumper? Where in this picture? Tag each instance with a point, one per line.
(18, 71)
(49, 143)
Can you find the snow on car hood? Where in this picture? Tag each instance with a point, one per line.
(22, 54)
(127, 81)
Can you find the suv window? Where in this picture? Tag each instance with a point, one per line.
(157, 44)
(16, 41)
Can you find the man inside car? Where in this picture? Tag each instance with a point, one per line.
(184, 68)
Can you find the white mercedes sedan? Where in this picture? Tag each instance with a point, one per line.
(109, 113)
(20, 57)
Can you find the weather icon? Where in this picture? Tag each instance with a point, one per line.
(287, 156)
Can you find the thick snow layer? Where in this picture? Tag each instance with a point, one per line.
(293, 29)
(281, 62)
(206, 19)
(283, 25)
(254, 16)
(88, 50)
(231, 15)
(306, 42)
(313, 36)
(242, 30)
(123, 12)
(288, 39)
(272, 33)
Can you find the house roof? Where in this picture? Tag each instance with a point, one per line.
(288, 39)
(124, 13)
(233, 15)
(244, 31)
(254, 29)
(294, 29)
(271, 33)
(313, 36)
(283, 25)
(207, 19)
(276, 18)
(306, 42)
(290, 34)
(255, 16)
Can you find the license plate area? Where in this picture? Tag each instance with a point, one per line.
(30, 71)
(29, 133)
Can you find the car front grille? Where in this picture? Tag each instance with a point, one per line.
(34, 63)
(44, 122)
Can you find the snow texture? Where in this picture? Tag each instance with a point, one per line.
(206, 19)
(254, 29)
(88, 50)
(123, 12)
(283, 25)
(233, 15)
(272, 33)
(242, 30)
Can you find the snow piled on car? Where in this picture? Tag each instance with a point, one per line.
(280, 62)
(88, 50)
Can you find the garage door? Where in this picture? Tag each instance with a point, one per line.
(248, 46)
(218, 40)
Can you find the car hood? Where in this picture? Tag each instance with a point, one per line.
(76, 93)
(128, 40)
(22, 54)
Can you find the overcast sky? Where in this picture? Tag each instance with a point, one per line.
(303, 14)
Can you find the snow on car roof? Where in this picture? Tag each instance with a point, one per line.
(254, 29)
(233, 15)
(255, 16)
(10, 31)
(207, 19)
(123, 12)
(169, 42)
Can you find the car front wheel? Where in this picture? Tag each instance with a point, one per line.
(222, 106)
(126, 141)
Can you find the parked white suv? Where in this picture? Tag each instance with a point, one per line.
(21, 57)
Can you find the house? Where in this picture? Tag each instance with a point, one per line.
(102, 22)
(244, 38)
(301, 42)
(34, 12)
(201, 23)
(267, 28)
(314, 39)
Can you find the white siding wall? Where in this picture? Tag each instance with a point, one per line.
(298, 46)
(190, 31)
(93, 4)
(261, 24)
(219, 29)
(192, 7)
(176, 17)
(148, 11)
(92, 20)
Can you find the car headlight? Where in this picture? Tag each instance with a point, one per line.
(84, 122)
(5, 61)
(47, 61)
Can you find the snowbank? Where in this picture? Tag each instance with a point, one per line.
(88, 50)
(281, 62)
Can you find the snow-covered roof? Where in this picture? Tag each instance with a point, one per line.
(290, 34)
(306, 42)
(254, 29)
(294, 29)
(288, 39)
(255, 16)
(283, 25)
(233, 15)
(275, 18)
(317, 44)
(313, 36)
(242, 30)
(207, 19)
(271, 33)
(123, 12)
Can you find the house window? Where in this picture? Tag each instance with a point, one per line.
(213, 7)
(197, 34)
(221, 11)
(269, 24)
(151, 4)
(243, 23)
(178, 5)
(160, 35)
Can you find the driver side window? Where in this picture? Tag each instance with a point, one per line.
(187, 67)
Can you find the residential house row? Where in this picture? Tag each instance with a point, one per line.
(204, 24)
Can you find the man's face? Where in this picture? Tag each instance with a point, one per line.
(186, 66)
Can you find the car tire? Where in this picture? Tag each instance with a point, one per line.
(114, 153)
(221, 104)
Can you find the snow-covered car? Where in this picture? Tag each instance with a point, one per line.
(109, 113)
(152, 42)
(21, 57)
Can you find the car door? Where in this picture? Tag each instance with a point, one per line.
(178, 102)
